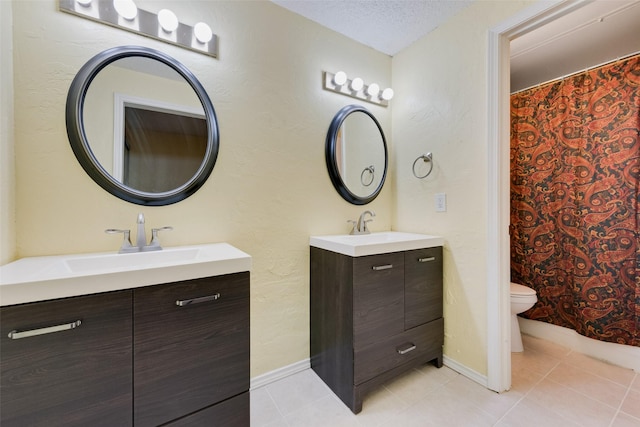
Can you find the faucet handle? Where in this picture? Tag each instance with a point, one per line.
(154, 245)
(126, 247)
(354, 226)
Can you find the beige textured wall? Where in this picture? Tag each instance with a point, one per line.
(269, 190)
(7, 169)
(440, 107)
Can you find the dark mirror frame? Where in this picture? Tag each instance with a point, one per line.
(331, 158)
(80, 144)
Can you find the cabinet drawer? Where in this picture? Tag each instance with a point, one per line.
(394, 351)
(378, 298)
(233, 412)
(58, 372)
(191, 346)
(423, 286)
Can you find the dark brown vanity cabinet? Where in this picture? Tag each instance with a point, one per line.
(67, 362)
(191, 350)
(171, 354)
(374, 317)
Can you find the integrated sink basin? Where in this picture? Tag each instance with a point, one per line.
(375, 243)
(132, 261)
(50, 277)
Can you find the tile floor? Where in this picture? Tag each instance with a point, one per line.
(551, 386)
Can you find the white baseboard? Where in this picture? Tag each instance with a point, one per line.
(285, 371)
(466, 371)
(622, 355)
(278, 374)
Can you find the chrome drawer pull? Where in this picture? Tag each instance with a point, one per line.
(428, 259)
(382, 267)
(407, 349)
(184, 302)
(15, 335)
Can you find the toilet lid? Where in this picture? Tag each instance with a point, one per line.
(521, 290)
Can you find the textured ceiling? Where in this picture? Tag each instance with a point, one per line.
(387, 26)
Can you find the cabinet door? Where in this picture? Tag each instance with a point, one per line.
(191, 346)
(423, 286)
(55, 371)
(378, 297)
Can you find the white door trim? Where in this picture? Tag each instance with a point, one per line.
(498, 270)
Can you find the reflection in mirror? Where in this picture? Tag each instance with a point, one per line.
(148, 139)
(142, 126)
(356, 155)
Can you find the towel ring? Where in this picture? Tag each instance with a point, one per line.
(371, 170)
(426, 158)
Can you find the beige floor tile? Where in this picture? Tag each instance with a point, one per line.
(631, 404)
(533, 360)
(297, 390)
(593, 386)
(543, 346)
(524, 379)
(635, 385)
(488, 401)
(442, 408)
(263, 408)
(413, 385)
(571, 405)
(528, 413)
(327, 411)
(622, 376)
(379, 407)
(624, 420)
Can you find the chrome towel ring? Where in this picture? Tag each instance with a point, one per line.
(425, 158)
(371, 171)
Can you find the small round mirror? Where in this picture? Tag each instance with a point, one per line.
(142, 126)
(356, 155)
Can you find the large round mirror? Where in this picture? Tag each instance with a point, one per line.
(142, 126)
(356, 154)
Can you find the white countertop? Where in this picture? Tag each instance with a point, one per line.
(375, 243)
(50, 277)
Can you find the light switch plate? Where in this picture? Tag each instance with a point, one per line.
(441, 202)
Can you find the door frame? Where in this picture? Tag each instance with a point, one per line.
(498, 257)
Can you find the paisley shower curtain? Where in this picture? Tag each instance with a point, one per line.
(575, 174)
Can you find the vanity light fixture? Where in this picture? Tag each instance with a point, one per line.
(356, 84)
(163, 26)
(340, 83)
(126, 8)
(340, 78)
(168, 20)
(202, 32)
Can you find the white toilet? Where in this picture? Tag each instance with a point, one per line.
(522, 299)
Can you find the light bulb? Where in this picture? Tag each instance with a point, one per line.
(373, 89)
(126, 8)
(357, 84)
(202, 32)
(168, 20)
(387, 94)
(340, 78)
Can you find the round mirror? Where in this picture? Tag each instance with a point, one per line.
(356, 155)
(142, 126)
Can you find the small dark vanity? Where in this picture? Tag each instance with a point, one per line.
(374, 317)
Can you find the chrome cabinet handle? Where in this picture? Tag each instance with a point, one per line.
(15, 335)
(406, 350)
(382, 267)
(185, 302)
(428, 259)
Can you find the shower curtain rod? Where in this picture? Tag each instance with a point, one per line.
(575, 73)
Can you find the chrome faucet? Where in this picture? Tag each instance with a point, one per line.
(141, 238)
(360, 226)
